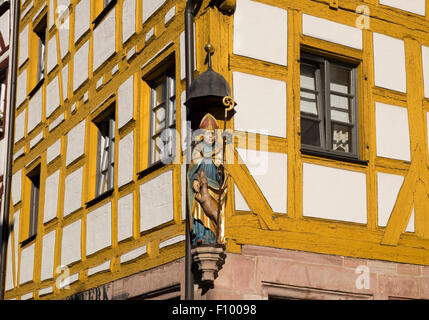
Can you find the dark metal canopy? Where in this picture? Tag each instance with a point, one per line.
(209, 86)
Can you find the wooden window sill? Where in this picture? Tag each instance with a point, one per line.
(333, 156)
(99, 198)
(103, 13)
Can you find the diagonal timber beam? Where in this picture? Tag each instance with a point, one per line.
(249, 188)
(401, 211)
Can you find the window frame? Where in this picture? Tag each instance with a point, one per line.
(34, 201)
(168, 79)
(41, 31)
(323, 64)
(108, 117)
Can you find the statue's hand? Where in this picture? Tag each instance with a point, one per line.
(196, 186)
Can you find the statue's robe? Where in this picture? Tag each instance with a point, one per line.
(206, 158)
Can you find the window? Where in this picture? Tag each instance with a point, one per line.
(329, 118)
(34, 178)
(162, 119)
(105, 154)
(40, 32)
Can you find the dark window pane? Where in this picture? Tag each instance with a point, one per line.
(341, 138)
(340, 79)
(308, 76)
(310, 132)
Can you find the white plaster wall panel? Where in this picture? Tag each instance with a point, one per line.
(48, 254)
(4, 28)
(75, 142)
(23, 45)
(51, 196)
(150, 7)
(62, 4)
(9, 267)
(415, 6)
(64, 33)
(332, 31)
(102, 267)
(133, 254)
(36, 139)
(17, 154)
(388, 186)
(150, 34)
(51, 17)
(21, 93)
(184, 129)
(44, 291)
(410, 226)
(19, 126)
(69, 280)
(389, 63)
(126, 102)
(26, 267)
(156, 201)
(53, 151)
(172, 241)
(125, 217)
(65, 78)
(105, 40)
(254, 23)
(73, 192)
(128, 19)
(56, 122)
(80, 67)
(52, 96)
(82, 17)
(126, 159)
(35, 110)
(52, 54)
(240, 202)
(425, 60)
(183, 190)
(336, 194)
(16, 235)
(70, 245)
(99, 229)
(392, 132)
(16, 187)
(27, 296)
(183, 54)
(37, 15)
(170, 15)
(269, 170)
(27, 9)
(265, 101)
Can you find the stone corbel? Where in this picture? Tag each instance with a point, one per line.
(209, 259)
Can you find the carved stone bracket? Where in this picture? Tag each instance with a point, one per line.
(209, 259)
